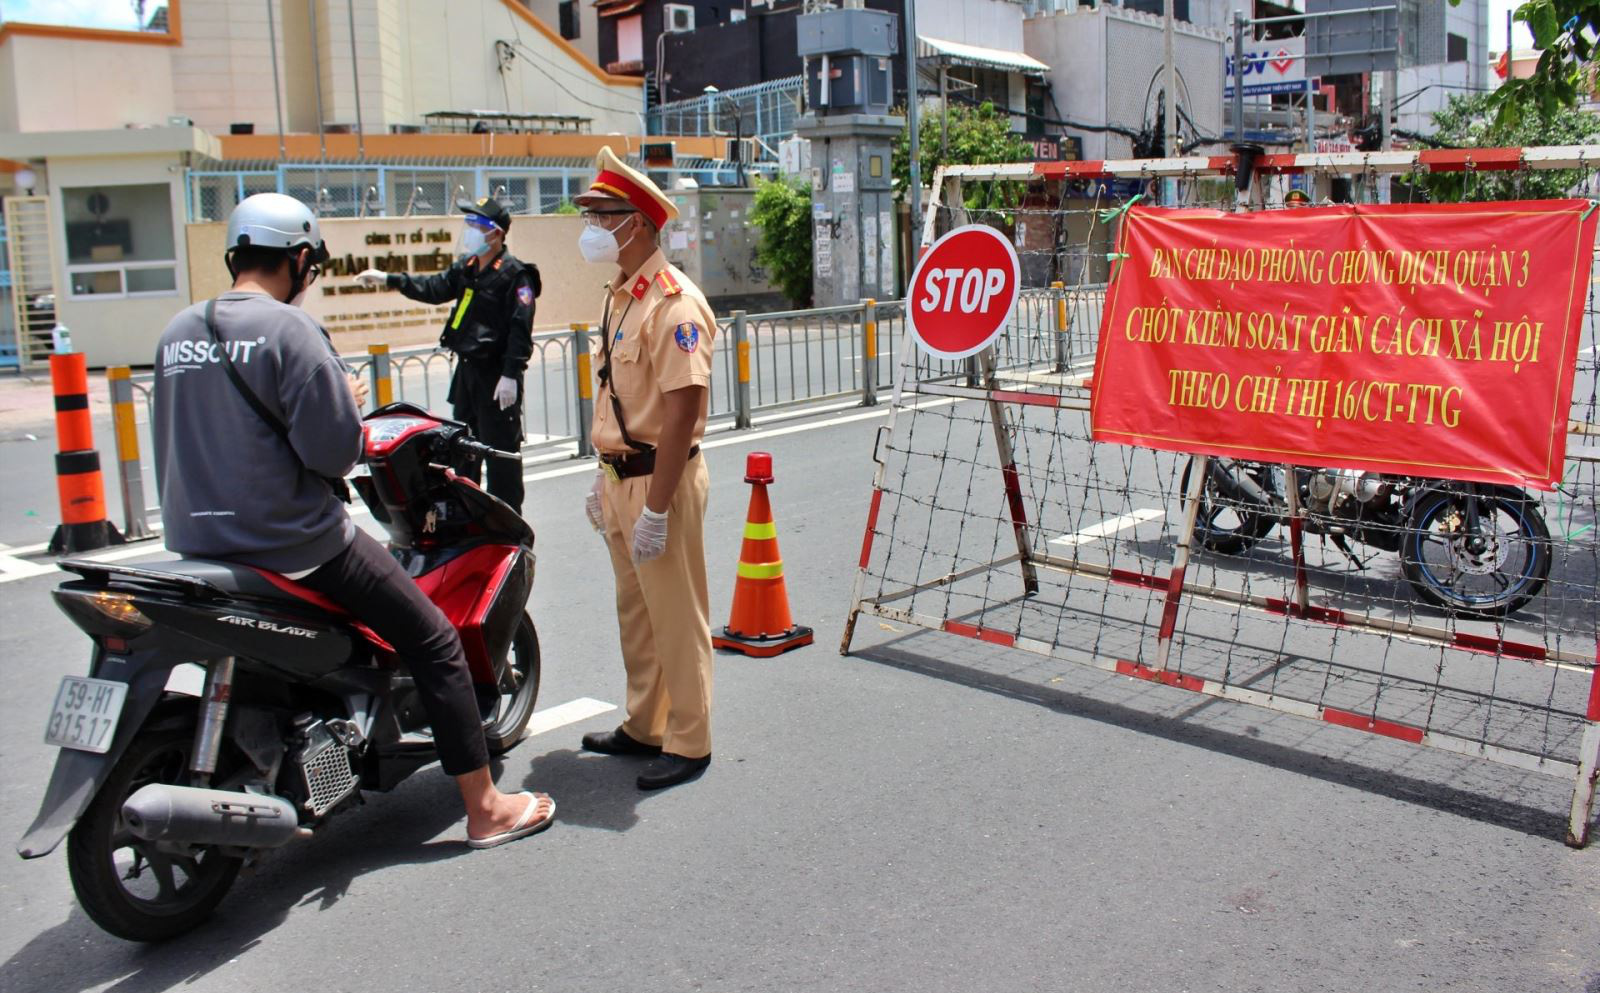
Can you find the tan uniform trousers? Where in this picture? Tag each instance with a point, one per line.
(664, 611)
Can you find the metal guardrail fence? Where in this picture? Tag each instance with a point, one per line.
(764, 362)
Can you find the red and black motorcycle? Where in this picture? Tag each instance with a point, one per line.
(163, 795)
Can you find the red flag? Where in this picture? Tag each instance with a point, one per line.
(1503, 67)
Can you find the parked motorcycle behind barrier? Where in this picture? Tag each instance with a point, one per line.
(166, 795)
(1476, 549)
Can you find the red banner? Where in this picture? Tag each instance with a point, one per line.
(1430, 340)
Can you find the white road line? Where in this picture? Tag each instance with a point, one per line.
(746, 437)
(577, 710)
(585, 465)
(12, 568)
(1109, 527)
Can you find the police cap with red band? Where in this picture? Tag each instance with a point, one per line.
(617, 182)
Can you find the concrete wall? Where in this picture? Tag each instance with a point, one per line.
(1102, 64)
(71, 84)
(222, 73)
(588, 40)
(987, 23)
(419, 56)
(413, 56)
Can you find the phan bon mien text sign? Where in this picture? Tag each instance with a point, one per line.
(1433, 340)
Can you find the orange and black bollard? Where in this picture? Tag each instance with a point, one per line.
(761, 625)
(78, 482)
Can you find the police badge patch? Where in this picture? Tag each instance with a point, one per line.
(525, 295)
(687, 336)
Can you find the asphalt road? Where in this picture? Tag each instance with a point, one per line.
(918, 816)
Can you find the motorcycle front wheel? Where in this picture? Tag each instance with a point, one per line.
(1490, 573)
(128, 886)
(518, 675)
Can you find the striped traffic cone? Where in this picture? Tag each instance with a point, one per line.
(78, 484)
(760, 625)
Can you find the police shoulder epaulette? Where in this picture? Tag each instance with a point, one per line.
(669, 285)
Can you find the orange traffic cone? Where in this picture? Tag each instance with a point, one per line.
(760, 625)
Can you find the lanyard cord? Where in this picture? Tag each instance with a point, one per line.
(605, 369)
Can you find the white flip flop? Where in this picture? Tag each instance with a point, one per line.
(523, 827)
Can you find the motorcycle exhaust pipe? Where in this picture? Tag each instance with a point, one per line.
(191, 816)
(1237, 486)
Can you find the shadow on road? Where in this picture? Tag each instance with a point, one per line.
(392, 830)
(592, 791)
(1439, 796)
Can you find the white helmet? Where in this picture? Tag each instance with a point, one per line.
(272, 220)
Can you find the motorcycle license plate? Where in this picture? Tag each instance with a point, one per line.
(85, 713)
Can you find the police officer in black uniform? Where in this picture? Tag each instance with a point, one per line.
(490, 329)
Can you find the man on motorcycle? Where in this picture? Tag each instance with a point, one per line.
(256, 423)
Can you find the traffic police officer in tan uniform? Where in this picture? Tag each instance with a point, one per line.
(649, 497)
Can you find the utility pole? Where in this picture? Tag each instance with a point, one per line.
(1238, 75)
(1171, 146)
(355, 83)
(277, 85)
(913, 121)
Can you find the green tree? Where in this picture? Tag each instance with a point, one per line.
(1565, 33)
(977, 135)
(1472, 122)
(783, 213)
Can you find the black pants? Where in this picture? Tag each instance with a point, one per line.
(366, 580)
(472, 402)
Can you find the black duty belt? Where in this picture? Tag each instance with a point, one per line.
(620, 467)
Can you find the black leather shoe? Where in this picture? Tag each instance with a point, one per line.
(617, 743)
(670, 770)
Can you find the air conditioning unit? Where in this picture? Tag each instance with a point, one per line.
(679, 18)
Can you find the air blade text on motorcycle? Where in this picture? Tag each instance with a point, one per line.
(1436, 340)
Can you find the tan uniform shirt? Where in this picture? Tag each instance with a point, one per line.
(662, 332)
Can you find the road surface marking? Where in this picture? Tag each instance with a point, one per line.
(13, 567)
(577, 710)
(1107, 528)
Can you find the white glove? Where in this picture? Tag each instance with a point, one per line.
(649, 535)
(505, 392)
(372, 277)
(591, 504)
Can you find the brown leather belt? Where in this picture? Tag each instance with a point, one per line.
(620, 467)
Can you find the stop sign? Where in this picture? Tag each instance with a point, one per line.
(962, 292)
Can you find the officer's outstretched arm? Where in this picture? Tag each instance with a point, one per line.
(438, 288)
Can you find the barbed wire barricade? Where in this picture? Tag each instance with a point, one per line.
(996, 517)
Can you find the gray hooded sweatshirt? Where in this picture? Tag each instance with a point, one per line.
(230, 488)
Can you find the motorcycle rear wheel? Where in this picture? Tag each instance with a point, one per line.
(127, 886)
(1226, 525)
(519, 690)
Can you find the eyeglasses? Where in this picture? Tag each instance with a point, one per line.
(599, 218)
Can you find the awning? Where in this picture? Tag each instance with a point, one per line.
(616, 8)
(956, 53)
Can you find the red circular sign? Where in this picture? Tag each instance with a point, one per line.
(962, 292)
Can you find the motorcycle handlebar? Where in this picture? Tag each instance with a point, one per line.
(481, 450)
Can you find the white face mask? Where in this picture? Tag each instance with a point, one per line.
(473, 242)
(598, 245)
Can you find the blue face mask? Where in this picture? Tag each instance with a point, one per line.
(473, 242)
